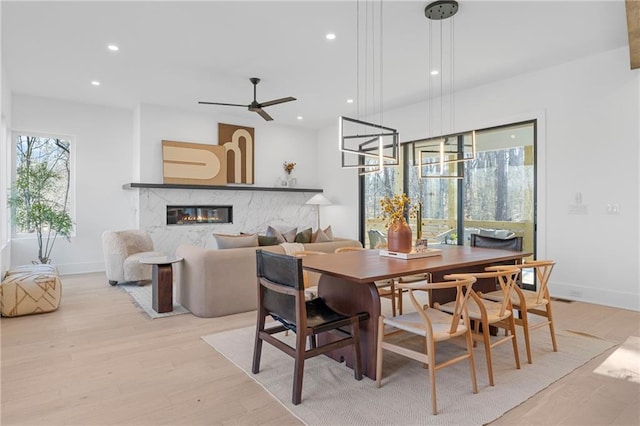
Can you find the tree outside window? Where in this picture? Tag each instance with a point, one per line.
(40, 193)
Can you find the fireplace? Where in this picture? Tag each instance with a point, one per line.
(197, 215)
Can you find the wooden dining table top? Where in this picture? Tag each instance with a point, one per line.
(365, 266)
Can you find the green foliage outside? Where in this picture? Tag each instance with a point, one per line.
(39, 195)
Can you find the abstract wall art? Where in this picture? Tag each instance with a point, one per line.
(193, 163)
(238, 143)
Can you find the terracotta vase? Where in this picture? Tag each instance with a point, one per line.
(399, 237)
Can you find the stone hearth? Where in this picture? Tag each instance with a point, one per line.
(253, 211)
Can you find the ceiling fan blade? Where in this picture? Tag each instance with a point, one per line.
(220, 103)
(262, 113)
(277, 101)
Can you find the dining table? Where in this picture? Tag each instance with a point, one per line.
(347, 279)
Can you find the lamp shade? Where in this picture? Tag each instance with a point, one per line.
(319, 200)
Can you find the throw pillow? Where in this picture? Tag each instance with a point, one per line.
(283, 237)
(304, 236)
(323, 236)
(264, 240)
(235, 241)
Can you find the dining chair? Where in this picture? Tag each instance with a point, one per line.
(484, 313)
(532, 302)
(281, 296)
(434, 326)
(386, 288)
(311, 291)
(376, 239)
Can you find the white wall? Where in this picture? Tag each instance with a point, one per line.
(274, 144)
(118, 146)
(5, 171)
(103, 146)
(589, 138)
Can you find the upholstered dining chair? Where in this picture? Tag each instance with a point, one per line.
(532, 302)
(122, 253)
(281, 296)
(485, 313)
(386, 288)
(434, 326)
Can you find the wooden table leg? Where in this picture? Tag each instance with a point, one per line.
(162, 288)
(348, 297)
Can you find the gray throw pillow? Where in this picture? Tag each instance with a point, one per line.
(264, 240)
(283, 237)
(304, 236)
(323, 236)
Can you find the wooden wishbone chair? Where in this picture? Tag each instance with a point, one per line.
(386, 288)
(485, 313)
(532, 302)
(434, 326)
(310, 291)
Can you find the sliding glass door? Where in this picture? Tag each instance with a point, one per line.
(493, 194)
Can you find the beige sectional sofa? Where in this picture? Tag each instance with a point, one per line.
(216, 282)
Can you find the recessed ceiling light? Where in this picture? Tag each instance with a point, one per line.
(331, 36)
(299, 117)
(435, 72)
(349, 101)
(95, 83)
(113, 48)
(513, 136)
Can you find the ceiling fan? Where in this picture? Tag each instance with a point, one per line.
(256, 106)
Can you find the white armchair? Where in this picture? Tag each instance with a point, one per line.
(122, 253)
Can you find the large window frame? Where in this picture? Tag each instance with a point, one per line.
(402, 183)
(71, 200)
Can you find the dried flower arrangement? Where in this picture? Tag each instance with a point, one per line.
(288, 167)
(394, 210)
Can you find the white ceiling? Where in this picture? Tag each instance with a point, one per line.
(176, 53)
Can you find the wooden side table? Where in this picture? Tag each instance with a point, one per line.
(162, 281)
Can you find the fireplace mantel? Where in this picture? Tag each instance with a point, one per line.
(218, 188)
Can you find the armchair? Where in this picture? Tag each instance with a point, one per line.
(122, 253)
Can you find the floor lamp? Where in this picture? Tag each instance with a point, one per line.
(318, 200)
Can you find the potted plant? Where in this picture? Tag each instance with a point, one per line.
(34, 210)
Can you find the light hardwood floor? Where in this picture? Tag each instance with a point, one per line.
(99, 360)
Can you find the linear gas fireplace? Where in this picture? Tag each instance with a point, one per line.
(196, 215)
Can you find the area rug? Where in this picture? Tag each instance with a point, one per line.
(141, 296)
(331, 396)
(624, 362)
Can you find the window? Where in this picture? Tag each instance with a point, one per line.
(43, 178)
(496, 192)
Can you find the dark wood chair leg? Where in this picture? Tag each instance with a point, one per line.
(257, 347)
(298, 369)
(355, 335)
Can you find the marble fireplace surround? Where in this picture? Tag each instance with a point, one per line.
(254, 209)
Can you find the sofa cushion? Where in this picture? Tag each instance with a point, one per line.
(322, 235)
(223, 241)
(264, 240)
(288, 236)
(304, 236)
